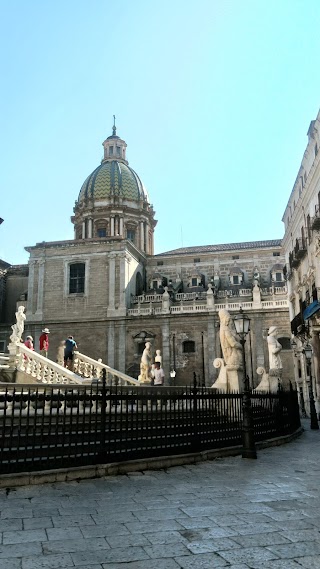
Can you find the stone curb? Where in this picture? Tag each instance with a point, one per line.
(114, 468)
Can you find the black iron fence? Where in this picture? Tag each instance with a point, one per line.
(47, 427)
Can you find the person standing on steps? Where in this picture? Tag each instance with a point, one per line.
(44, 342)
(70, 346)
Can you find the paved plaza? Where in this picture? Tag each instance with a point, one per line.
(230, 512)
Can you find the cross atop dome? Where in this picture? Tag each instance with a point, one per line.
(114, 128)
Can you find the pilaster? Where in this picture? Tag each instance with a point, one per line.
(122, 346)
(39, 312)
(111, 342)
(166, 350)
(210, 375)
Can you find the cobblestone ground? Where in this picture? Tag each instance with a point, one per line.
(230, 512)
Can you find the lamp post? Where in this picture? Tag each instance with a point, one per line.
(242, 324)
(172, 376)
(313, 414)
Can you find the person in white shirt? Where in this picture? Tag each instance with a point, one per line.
(158, 374)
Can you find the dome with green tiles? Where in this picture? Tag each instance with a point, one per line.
(113, 178)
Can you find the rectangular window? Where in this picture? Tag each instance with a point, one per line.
(196, 260)
(2, 346)
(76, 280)
(130, 235)
(235, 257)
(194, 282)
(155, 284)
(118, 150)
(235, 279)
(276, 253)
(159, 263)
(111, 151)
(278, 277)
(102, 233)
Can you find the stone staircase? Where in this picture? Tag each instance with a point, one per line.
(23, 365)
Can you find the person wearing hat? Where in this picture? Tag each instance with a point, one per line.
(29, 342)
(44, 342)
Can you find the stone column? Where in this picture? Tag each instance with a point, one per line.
(111, 332)
(166, 350)
(83, 229)
(146, 227)
(30, 289)
(122, 285)
(121, 227)
(112, 275)
(90, 228)
(112, 226)
(40, 288)
(122, 346)
(211, 375)
(141, 236)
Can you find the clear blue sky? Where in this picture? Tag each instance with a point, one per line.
(214, 99)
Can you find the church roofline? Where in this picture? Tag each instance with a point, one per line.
(223, 247)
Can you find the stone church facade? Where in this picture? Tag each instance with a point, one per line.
(108, 289)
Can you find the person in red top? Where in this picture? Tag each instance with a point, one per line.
(44, 342)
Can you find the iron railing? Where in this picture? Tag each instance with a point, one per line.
(60, 426)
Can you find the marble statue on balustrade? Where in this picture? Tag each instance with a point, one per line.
(166, 300)
(145, 365)
(158, 357)
(231, 373)
(18, 327)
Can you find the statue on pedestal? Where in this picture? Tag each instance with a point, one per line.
(231, 347)
(230, 376)
(274, 348)
(145, 365)
(18, 327)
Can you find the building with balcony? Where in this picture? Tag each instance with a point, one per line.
(108, 289)
(301, 245)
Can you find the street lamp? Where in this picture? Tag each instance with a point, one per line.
(242, 324)
(313, 414)
(172, 376)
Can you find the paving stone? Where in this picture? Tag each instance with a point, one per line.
(259, 539)
(119, 555)
(70, 521)
(164, 537)
(207, 533)
(299, 549)
(11, 525)
(278, 564)
(168, 550)
(10, 537)
(206, 546)
(104, 530)
(20, 550)
(163, 514)
(8, 513)
(72, 545)
(128, 540)
(190, 523)
(149, 564)
(309, 562)
(161, 525)
(114, 517)
(64, 533)
(251, 529)
(48, 562)
(301, 535)
(10, 563)
(202, 561)
(248, 555)
(37, 523)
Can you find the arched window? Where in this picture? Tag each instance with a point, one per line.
(139, 284)
(188, 347)
(76, 278)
